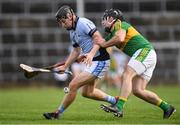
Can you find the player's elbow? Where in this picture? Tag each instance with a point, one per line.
(121, 39)
(117, 39)
(121, 35)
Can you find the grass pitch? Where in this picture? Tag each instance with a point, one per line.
(25, 106)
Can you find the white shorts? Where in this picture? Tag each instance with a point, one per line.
(78, 66)
(98, 68)
(143, 62)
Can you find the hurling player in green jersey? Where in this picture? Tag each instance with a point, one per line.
(140, 67)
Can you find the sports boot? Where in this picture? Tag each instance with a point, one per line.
(112, 109)
(52, 115)
(169, 112)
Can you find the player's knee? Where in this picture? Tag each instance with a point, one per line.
(137, 91)
(86, 94)
(73, 87)
(126, 76)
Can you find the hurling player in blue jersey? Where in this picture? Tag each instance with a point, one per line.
(84, 36)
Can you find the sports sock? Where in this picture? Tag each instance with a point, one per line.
(61, 109)
(121, 102)
(110, 99)
(164, 105)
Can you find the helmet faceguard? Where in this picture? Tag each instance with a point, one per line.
(63, 12)
(115, 14)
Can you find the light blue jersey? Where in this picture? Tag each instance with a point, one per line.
(81, 36)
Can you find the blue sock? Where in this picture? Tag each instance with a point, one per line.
(61, 109)
(110, 99)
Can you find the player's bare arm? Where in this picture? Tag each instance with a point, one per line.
(72, 57)
(117, 39)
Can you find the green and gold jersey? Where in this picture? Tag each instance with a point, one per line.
(133, 39)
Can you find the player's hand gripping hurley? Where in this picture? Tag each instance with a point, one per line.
(30, 72)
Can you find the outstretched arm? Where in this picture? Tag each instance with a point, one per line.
(119, 37)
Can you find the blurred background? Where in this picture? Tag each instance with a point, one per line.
(29, 34)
